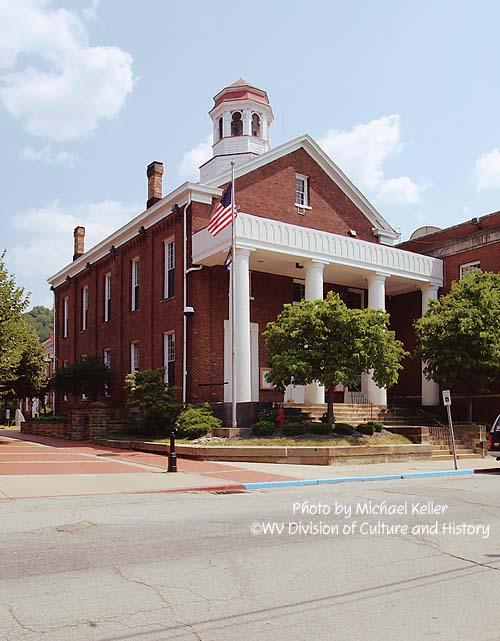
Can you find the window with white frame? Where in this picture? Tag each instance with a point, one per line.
(468, 268)
(301, 191)
(107, 297)
(134, 293)
(134, 357)
(83, 358)
(85, 307)
(107, 363)
(169, 268)
(65, 316)
(65, 396)
(169, 357)
(355, 298)
(299, 291)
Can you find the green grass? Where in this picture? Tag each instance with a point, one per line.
(314, 441)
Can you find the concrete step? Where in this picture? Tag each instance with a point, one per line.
(449, 457)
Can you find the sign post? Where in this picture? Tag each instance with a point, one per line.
(447, 404)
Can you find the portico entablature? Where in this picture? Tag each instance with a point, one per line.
(275, 240)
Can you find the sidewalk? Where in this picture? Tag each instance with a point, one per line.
(37, 466)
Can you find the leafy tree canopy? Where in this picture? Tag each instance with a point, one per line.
(41, 319)
(459, 336)
(147, 392)
(327, 342)
(21, 359)
(90, 377)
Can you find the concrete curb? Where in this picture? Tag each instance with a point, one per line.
(350, 479)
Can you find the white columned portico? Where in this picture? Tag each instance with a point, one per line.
(430, 389)
(242, 325)
(376, 300)
(314, 393)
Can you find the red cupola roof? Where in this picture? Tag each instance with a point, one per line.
(241, 90)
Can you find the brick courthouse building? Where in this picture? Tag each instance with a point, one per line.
(155, 293)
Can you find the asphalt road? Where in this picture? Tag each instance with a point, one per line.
(157, 567)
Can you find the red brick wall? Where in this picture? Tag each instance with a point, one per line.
(270, 192)
(488, 255)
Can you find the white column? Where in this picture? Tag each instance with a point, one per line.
(376, 300)
(247, 122)
(430, 389)
(242, 325)
(226, 124)
(314, 393)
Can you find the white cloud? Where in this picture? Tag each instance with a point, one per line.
(91, 11)
(47, 238)
(361, 153)
(195, 157)
(487, 171)
(49, 156)
(74, 86)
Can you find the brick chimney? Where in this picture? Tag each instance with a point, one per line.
(79, 247)
(154, 173)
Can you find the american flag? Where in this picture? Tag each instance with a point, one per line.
(221, 215)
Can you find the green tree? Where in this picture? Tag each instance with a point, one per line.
(42, 320)
(459, 336)
(90, 377)
(325, 341)
(21, 361)
(147, 391)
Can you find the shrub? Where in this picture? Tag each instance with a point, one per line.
(294, 428)
(322, 429)
(377, 425)
(366, 428)
(268, 414)
(264, 427)
(344, 428)
(196, 421)
(49, 419)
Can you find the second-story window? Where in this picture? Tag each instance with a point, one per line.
(169, 262)
(65, 317)
(85, 307)
(134, 294)
(301, 191)
(107, 297)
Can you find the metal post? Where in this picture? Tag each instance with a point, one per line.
(234, 419)
(172, 456)
(452, 435)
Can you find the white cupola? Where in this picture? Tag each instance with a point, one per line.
(241, 117)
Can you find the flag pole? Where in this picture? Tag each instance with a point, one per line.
(234, 418)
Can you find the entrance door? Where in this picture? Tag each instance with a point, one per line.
(254, 360)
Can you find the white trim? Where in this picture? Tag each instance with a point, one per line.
(381, 227)
(135, 274)
(465, 268)
(85, 307)
(65, 316)
(107, 296)
(255, 232)
(149, 217)
(167, 243)
(135, 356)
(166, 360)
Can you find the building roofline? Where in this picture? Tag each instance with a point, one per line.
(381, 226)
(149, 217)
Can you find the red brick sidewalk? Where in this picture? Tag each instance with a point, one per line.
(31, 455)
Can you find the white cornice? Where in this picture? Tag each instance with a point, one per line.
(149, 217)
(381, 226)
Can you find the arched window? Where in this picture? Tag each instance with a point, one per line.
(255, 125)
(220, 128)
(236, 124)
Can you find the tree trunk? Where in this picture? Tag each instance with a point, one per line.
(330, 417)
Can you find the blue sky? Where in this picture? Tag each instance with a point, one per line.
(404, 97)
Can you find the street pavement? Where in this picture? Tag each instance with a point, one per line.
(37, 466)
(186, 566)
